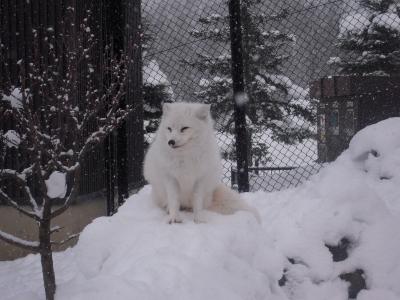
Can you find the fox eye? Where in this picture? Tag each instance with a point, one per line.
(169, 129)
(184, 128)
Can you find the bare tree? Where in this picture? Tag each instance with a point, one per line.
(56, 127)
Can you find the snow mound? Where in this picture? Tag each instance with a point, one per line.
(381, 138)
(351, 205)
(376, 150)
(349, 199)
(227, 258)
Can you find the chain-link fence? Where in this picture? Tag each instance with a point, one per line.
(296, 116)
(289, 87)
(287, 45)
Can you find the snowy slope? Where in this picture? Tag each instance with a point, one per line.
(136, 255)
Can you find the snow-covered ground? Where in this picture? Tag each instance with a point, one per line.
(136, 255)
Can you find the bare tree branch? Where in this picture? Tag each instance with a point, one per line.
(71, 237)
(56, 229)
(71, 196)
(31, 214)
(21, 243)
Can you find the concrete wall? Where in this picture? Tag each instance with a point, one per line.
(73, 221)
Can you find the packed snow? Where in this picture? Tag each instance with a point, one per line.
(136, 255)
(56, 185)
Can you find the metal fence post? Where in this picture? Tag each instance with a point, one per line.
(115, 150)
(133, 47)
(239, 96)
(119, 11)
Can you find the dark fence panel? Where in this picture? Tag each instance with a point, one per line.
(21, 19)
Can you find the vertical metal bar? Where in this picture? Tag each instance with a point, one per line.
(13, 41)
(110, 181)
(122, 163)
(238, 95)
(116, 158)
(135, 93)
(111, 9)
(117, 20)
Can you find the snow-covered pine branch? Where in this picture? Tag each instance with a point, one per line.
(369, 38)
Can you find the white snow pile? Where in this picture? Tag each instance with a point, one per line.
(136, 255)
(56, 185)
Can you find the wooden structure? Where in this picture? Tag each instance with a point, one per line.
(347, 104)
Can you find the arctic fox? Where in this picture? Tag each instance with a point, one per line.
(183, 165)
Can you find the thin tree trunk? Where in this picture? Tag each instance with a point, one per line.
(46, 254)
(48, 274)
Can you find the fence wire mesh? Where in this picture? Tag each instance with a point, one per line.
(287, 45)
(306, 65)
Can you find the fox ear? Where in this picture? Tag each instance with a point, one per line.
(203, 112)
(165, 108)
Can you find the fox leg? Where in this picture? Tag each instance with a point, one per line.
(172, 190)
(199, 199)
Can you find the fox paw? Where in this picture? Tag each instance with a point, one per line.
(174, 219)
(200, 217)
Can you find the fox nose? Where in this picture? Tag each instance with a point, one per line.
(171, 142)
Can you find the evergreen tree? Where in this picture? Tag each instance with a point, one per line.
(274, 104)
(370, 38)
(156, 87)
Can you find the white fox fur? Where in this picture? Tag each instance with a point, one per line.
(183, 165)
